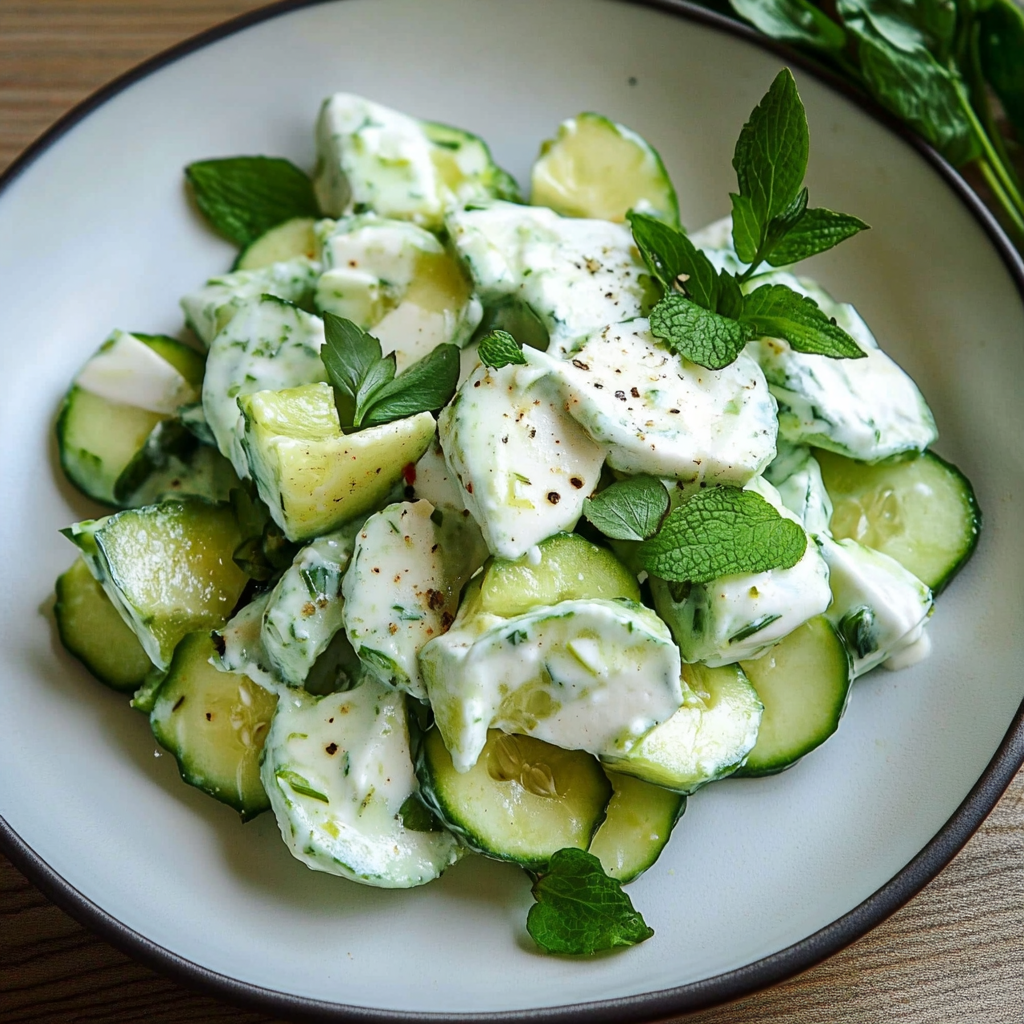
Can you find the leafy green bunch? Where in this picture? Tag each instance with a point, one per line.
(704, 314)
(938, 65)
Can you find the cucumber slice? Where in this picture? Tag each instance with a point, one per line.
(312, 477)
(340, 777)
(132, 383)
(93, 631)
(640, 818)
(522, 801)
(597, 168)
(167, 568)
(921, 511)
(708, 738)
(286, 241)
(804, 683)
(569, 568)
(215, 724)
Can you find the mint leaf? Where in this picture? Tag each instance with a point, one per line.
(378, 376)
(771, 158)
(630, 509)
(348, 355)
(775, 311)
(671, 256)
(719, 532)
(499, 349)
(698, 334)
(580, 910)
(426, 386)
(244, 196)
(816, 231)
(795, 21)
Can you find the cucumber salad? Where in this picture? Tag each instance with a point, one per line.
(464, 524)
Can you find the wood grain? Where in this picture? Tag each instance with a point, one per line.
(954, 953)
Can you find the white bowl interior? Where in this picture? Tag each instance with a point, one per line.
(98, 233)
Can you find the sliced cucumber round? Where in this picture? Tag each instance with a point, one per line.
(294, 237)
(706, 739)
(522, 801)
(920, 510)
(804, 684)
(215, 724)
(599, 169)
(93, 631)
(639, 821)
(570, 568)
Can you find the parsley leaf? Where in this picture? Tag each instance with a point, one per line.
(631, 509)
(670, 255)
(775, 311)
(498, 349)
(580, 910)
(698, 334)
(244, 196)
(722, 531)
(426, 386)
(770, 160)
(366, 389)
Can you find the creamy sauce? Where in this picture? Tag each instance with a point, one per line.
(586, 675)
(338, 771)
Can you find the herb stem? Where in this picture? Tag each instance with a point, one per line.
(993, 182)
(1010, 195)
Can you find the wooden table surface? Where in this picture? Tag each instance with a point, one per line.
(954, 953)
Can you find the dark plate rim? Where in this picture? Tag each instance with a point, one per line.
(650, 1006)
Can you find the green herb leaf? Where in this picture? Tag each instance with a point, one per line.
(816, 231)
(348, 354)
(908, 25)
(719, 532)
(499, 349)
(580, 910)
(300, 785)
(795, 21)
(379, 375)
(746, 228)
(426, 386)
(771, 154)
(244, 196)
(698, 334)
(775, 311)
(1001, 48)
(418, 817)
(671, 256)
(630, 509)
(917, 88)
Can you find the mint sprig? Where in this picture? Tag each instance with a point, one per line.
(244, 196)
(632, 509)
(719, 532)
(704, 315)
(580, 910)
(367, 391)
(498, 349)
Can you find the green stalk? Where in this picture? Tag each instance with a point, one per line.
(993, 182)
(1009, 188)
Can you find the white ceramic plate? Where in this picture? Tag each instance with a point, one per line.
(762, 877)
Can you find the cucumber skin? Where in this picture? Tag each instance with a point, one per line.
(468, 838)
(976, 522)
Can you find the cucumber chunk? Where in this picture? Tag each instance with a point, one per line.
(131, 385)
(597, 168)
(569, 568)
(167, 568)
(921, 511)
(340, 777)
(522, 801)
(402, 589)
(639, 820)
(589, 675)
(804, 683)
(215, 724)
(708, 738)
(313, 477)
(93, 631)
(286, 241)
